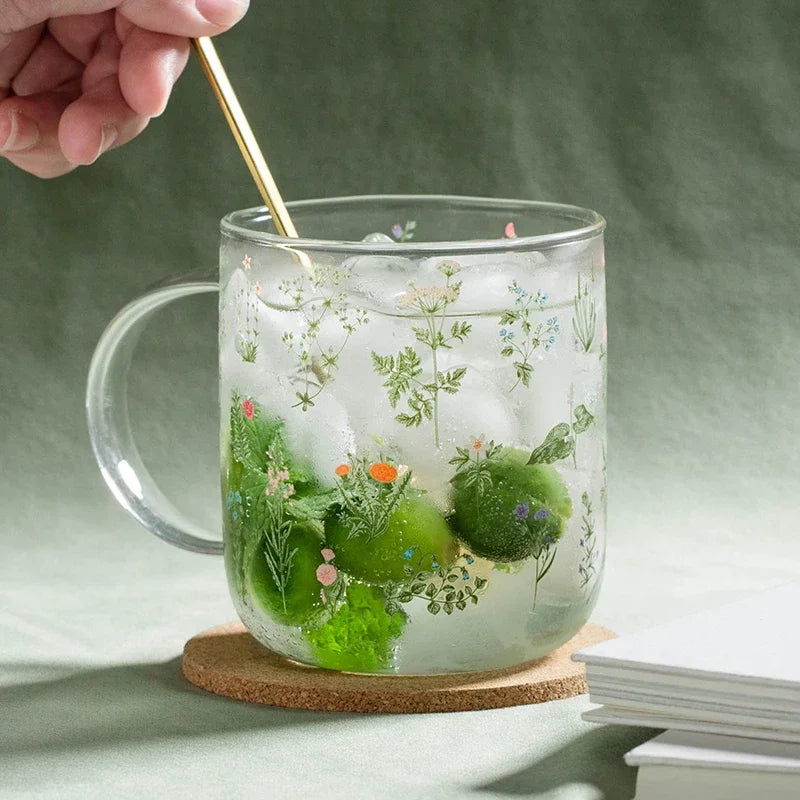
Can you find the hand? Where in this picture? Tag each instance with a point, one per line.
(80, 77)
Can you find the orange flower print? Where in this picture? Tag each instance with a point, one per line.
(246, 262)
(383, 472)
(342, 470)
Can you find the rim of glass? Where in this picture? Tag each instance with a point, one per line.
(588, 224)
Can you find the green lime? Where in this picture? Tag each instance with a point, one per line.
(301, 595)
(516, 513)
(417, 536)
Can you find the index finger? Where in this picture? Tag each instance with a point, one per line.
(177, 17)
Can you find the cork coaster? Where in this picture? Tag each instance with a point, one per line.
(226, 660)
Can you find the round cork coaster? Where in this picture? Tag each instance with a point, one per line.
(227, 660)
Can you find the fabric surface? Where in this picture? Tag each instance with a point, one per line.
(677, 121)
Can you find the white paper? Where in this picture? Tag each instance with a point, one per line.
(689, 748)
(756, 640)
(624, 716)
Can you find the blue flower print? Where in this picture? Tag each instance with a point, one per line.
(521, 511)
(230, 500)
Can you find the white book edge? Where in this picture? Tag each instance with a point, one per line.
(597, 674)
(616, 716)
(714, 751)
(698, 710)
(667, 783)
(623, 694)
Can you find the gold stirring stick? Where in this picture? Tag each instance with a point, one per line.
(243, 134)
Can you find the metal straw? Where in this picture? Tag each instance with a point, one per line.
(243, 134)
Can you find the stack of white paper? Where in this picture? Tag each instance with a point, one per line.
(730, 672)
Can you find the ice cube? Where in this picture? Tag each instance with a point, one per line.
(358, 386)
(378, 281)
(484, 281)
(322, 434)
(377, 237)
(478, 410)
(487, 278)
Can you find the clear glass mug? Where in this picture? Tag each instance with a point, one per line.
(412, 429)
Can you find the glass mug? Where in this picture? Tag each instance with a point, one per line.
(412, 429)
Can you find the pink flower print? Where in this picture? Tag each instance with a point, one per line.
(248, 409)
(246, 262)
(510, 231)
(327, 574)
(327, 554)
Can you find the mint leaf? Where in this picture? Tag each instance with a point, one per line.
(360, 636)
(312, 507)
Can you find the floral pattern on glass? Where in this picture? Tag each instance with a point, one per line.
(587, 569)
(369, 494)
(318, 297)
(445, 589)
(404, 233)
(584, 320)
(415, 378)
(532, 335)
(247, 324)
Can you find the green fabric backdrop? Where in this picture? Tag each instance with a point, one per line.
(678, 121)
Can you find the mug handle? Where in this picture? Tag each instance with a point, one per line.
(110, 427)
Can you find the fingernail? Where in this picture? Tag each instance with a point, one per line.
(23, 133)
(108, 136)
(223, 13)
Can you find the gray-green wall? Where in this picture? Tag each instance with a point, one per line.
(676, 120)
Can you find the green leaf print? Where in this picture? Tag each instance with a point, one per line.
(557, 444)
(583, 419)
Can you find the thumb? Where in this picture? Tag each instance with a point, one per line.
(176, 17)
